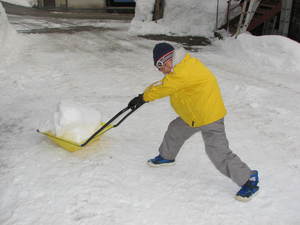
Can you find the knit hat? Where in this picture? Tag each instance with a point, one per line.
(162, 52)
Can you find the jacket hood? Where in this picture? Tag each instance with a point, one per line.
(179, 54)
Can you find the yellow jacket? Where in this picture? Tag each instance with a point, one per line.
(193, 90)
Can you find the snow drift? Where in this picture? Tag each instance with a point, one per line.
(7, 32)
(190, 17)
(10, 41)
(256, 50)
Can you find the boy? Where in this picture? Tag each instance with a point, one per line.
(196, 98)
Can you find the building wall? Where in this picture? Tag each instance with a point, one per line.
(294, 31)
(60, 3)
(40, 3)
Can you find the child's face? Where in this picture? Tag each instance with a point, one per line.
(167, 67)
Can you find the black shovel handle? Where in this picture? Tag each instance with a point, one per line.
(110, 121)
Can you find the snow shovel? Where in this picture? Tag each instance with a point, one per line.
(74, 146)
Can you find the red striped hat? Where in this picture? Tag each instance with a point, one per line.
(162, 52)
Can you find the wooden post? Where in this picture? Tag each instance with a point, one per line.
(285, 16)
(158, 12)
(228, 14)
(217, 16)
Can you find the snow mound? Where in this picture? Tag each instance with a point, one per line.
(190, 17)
(256, 50)
(75, 122)
(11, 43)
(7, 32)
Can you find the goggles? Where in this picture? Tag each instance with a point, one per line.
(160, 63)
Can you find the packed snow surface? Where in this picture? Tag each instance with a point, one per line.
(109, 182)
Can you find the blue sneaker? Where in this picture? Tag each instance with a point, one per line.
(248, 190)
(160, 161)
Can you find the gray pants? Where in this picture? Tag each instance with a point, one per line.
(216, 147)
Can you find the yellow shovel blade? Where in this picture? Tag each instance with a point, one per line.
(72, 146)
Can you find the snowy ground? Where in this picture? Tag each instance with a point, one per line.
(109, 182)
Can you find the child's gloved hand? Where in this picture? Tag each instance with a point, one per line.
(136, 102)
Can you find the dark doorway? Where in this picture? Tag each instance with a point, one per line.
(294, 32)
(124, 3)
(49, 3)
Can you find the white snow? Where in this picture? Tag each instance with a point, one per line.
(189, 17)
(285, 52)
(26, 3)
(7, 32)
(10, 42)
(74, 122)
(109, 182)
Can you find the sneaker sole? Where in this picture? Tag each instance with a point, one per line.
(244, 199)
(159, 165)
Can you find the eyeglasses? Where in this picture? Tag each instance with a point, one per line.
(159, 64)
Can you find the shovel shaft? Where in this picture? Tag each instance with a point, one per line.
(109, 122)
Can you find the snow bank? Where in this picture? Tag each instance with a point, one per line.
(143, 10)
(11, 43)
(7, 32)
(256, 50)
(190, 17)
(26, 3)
(75, 122)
